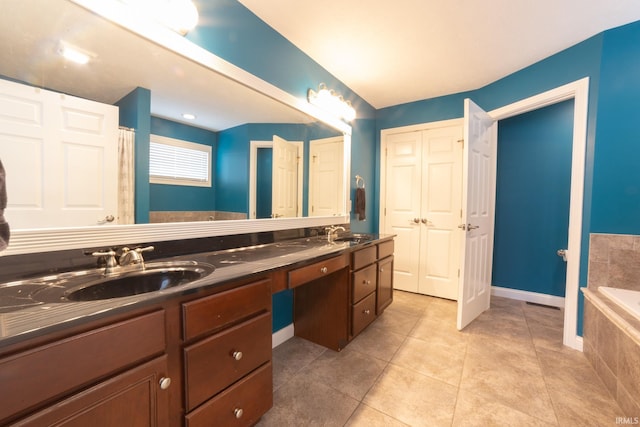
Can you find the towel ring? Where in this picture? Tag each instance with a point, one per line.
(359, 180)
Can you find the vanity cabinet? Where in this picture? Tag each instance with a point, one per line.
(227, 356)
(100, 377)
(371, 284)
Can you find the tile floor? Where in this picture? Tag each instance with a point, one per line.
(411, 367)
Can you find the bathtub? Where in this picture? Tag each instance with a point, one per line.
(628, 299)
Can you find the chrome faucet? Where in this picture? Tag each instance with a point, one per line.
(127, 257)
(134, 256)
(332, 232)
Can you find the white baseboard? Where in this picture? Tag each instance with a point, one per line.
(282, 335)
(535, 297)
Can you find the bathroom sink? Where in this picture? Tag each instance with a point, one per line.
(154, 277)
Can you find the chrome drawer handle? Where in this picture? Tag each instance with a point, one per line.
(165, 383)
(237, 355)
(324, 270)
(238, 412)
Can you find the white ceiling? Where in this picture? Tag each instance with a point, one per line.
(392, 52)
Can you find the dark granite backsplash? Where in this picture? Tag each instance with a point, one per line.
(17, 267)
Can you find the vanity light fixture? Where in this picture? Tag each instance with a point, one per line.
(179, 15)
(188, 116)
(74, 54)
(331, 101)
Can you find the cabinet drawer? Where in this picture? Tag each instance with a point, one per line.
(240, 405)
(49, 371)
(302, 275)
(363, 282)
(363, 313)
(363, 257)
(385, 249)
(212, 313)
(214, 363)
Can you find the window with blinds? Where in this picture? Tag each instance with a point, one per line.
(177, 162)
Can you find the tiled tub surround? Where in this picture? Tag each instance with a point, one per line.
(611, 334)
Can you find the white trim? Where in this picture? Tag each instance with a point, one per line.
(536, 297)
(579, 91)
(282, 335)
(579, 344)
(56, 239)
(253, 171)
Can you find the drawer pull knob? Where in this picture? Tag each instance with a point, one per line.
(237, 355)
(382, 270)
(324, 270)
(238, 412)
(165, 383)
(367, 311)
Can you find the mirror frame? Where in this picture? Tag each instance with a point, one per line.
(51, 239)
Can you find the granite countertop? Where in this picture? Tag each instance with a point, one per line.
(26, 320)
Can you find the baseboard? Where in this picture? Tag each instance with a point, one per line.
(579, 343)
(535, 297)
(282, 335)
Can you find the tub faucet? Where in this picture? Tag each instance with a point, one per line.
(332, 232)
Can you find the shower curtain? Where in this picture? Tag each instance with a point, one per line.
(126, 174)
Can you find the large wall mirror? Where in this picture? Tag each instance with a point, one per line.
(241, 112)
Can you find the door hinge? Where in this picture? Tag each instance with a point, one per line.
(460, 213)
(458, 272)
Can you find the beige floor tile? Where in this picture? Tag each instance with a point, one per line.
(548, 316)
(377, 342)
(438, 358)
(397, 321)
(425, 401)
(545, 336)
(410, 302)
(349, 371)
(508, 377)
(477, 411)
(365, 416)
(292, 356)
(306, 402)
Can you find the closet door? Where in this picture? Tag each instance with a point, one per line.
(422, 207)
(441, 212)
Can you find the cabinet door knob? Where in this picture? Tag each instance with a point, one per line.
(238, 412)
(382, 270)
(367, 311)
(366, 282)
(324, 270)
(237, 355)
(165, 382)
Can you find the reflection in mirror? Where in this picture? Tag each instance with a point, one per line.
(229, 116)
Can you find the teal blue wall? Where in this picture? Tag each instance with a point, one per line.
(134, 113)
(532, 199)
(164, 197)
(616, 175)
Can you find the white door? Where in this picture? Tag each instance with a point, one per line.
(60, 155)
(402, 204)
(326, 185)
(284, 201)
(441, 212)
(478, 201)
(422, 200)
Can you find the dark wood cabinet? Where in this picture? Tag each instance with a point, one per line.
(135, 398)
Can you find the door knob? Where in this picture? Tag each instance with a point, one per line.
(472, 227)
(562, 253)
(462, 227)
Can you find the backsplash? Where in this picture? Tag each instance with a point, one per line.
(188, 216)
(614, 261)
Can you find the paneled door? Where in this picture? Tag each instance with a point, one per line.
(326, 186)
(60, 154)
(284, 196)
(422, 207)
(478, 201)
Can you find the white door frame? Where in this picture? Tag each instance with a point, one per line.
(253, 172)
(579, 92)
